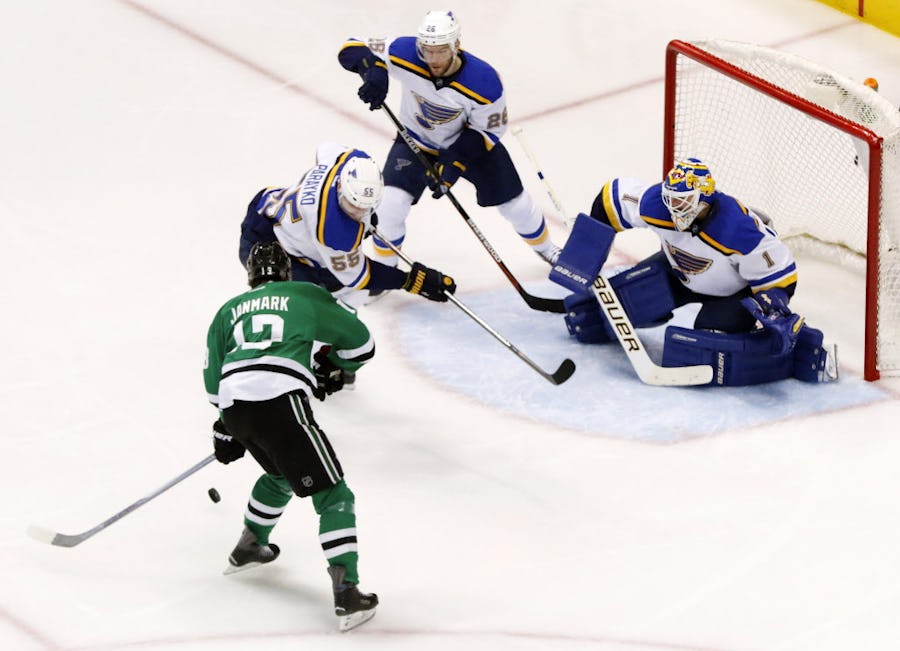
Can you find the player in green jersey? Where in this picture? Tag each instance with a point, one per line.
(268, 350)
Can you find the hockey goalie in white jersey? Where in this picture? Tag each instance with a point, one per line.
(321, 222)
(715, 252)
(454, 107)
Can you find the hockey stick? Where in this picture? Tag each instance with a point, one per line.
(70, 540)
(534, 302)
(560, 375)
(647, 370)
(557, 204)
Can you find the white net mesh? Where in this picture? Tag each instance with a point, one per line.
(809, 175)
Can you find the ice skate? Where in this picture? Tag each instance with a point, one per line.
(549, 254)
(350, 605)
(248, 553)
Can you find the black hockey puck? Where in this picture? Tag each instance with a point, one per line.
(214, 495)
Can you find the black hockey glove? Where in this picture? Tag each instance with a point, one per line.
(430, 283)
(375, 86)
(770, 308)
(329, 378)
(226, 447)
(448, 169)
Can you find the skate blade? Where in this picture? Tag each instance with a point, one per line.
(830, 372)
(234, 569)
(351, 621)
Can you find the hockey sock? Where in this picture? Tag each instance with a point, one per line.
(269, 497)
(337, 528)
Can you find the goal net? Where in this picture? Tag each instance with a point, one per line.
(816, 151)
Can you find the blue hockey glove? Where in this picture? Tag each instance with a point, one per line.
(226, 447)
(375, 86)
(448, 170)
(430, 283)
(770, 308)
(772, 302)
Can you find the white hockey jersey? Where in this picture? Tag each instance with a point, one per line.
(733, 248)
(310, 225)
(436, 111)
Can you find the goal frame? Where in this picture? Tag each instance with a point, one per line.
(677, 48)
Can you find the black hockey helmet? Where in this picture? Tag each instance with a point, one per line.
(267, 261)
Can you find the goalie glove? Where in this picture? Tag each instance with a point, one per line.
(226, 447)
(430, 283)
(770, 308)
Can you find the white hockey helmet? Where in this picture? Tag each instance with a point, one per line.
(685, 186)
(439, 27)
(360, 184)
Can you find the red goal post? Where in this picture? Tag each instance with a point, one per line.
(816, 151)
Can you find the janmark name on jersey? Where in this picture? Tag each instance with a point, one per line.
(279, 303)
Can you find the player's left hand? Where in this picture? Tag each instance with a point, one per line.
(448, 170)
(226, 447)
(329, 378)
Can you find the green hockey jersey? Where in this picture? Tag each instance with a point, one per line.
(260, 345)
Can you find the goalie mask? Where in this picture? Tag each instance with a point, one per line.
(438, 28)
(360, 188)
(267, 261)
(687, 185)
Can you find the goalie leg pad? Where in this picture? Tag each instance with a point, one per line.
(584, 320)
(645, 292)
(811, 363)
(583, 255)
(737, 359)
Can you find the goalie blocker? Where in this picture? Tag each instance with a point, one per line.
(739, 359)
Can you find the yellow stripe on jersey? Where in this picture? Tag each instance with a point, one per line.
(659, 223)
(615, 219)
(323, 198)
(781, 282)
(471, 94)
(412, 67)
(721, 248)
(368, 275)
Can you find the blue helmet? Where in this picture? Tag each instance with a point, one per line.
(686, 185)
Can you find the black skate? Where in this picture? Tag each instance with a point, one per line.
(350, 605)
(248, 553)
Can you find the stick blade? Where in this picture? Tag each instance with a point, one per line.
(564, 372)
(44, 535)
(677, 376)
(554, 305)
(41, 534)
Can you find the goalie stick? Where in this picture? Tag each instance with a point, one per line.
(560, 375)
(534, 302)
(70, 540)
(647, 370)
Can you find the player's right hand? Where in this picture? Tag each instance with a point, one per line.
(375, 87)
